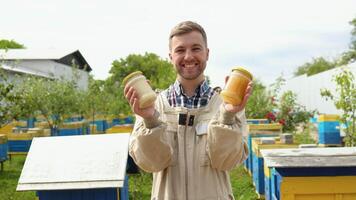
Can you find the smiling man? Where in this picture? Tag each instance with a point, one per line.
(190, 138)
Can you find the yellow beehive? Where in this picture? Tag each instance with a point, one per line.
(42, 124)
(28, 135)
(328, 118)
(3, 138)
(264, 128)
(126, 128)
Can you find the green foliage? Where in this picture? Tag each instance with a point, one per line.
(159, 72)
(291, 113)
(54, 99)
(304, 137)
(99, 100)
(345, 100)
(259, 103)
(7, 96)
(10, 44)
(317, 65)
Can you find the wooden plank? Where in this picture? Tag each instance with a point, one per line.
(302, 161)
(310, 152)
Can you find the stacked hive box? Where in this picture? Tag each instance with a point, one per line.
(19, 140)
(125, 128)
(73, 128)
(3, 149)
(260, 130)
(328, 130)
(101, 125)
(257, 121)
(257, 160)
(311, 173)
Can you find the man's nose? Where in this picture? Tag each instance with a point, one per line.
(188, 55)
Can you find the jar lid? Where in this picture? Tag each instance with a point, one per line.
(244, 71)
(128, 77)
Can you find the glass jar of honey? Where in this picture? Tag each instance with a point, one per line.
(146, 96)
(235, 88)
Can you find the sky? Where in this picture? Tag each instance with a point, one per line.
(269, 38)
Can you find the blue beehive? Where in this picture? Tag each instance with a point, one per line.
(328, 130)
(259, 130)
(257, 121)
(258, 144)
(3, 149)
(96, 170)
(20, 140)
(101, 125)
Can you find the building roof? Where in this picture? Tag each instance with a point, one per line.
(25, 71)
(60, 56)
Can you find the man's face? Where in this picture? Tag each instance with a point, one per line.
(189, 55)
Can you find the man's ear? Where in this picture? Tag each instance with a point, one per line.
(207, 56)
(170, 56)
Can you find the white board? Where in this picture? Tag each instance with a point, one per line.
(310, 157)
(75, 162)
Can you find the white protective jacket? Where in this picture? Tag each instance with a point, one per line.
(190, 159)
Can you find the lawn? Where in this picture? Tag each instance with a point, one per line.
(139, 185)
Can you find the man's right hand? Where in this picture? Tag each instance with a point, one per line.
(132, 98)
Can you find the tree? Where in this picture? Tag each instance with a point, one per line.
(260, 102)
(345, 100)
(317, 65)
(10, 44)
(159, 72)
(350, 55)
(53, 99)
(6, 96)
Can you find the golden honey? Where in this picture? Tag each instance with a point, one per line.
(146, 96)
(235, 88)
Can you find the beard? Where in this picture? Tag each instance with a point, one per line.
(190, 74)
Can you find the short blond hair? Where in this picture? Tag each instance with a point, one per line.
(187, 27)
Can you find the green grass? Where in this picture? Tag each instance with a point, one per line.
(9, 178)
(139, 184)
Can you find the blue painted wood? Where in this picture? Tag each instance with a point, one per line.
(66, 132)
(317, 171)
(115, 121)
(258, 174)
(19, 145)
(101, 125)
(328, 127)
(124, 191)
(267, 188)
(4, 148)
(84, 194)
(31, 122)
(255, 121)
(329, 138)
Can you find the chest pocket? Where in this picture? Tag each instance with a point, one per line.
(172, 140)
(201, 131)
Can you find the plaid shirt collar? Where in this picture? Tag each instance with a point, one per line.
(176, 97)
(199, 91)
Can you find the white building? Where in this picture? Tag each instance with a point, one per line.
(308, 89)
(49, 63)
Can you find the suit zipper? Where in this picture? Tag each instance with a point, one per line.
(185, 156)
